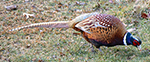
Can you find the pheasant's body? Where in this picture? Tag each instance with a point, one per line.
(102, 29)
(97, 29)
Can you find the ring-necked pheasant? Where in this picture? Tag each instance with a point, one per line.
(97, 29)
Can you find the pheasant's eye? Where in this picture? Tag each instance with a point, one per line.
(135, 43)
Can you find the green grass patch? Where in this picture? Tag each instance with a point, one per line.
(50, 44)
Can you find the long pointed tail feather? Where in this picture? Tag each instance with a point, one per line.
(58, 24)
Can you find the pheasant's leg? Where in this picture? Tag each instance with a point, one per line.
(100, 50)
(92, 48)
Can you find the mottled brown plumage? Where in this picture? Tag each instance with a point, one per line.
(105, 29)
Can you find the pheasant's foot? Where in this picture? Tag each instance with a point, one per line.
(100, 50)
(92, 49)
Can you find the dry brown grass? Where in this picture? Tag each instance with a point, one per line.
(46, 44)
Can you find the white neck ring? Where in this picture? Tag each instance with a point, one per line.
(124, 39)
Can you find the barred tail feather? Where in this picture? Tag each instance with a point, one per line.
(58, 24)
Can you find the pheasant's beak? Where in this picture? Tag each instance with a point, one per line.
(139, 47)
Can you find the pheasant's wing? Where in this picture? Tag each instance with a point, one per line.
(99, 20)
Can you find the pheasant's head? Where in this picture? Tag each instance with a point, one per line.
(136, 42)
(131, 40)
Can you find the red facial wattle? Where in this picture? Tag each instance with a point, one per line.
(135, 43)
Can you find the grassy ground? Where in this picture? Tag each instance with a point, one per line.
(46, 44)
